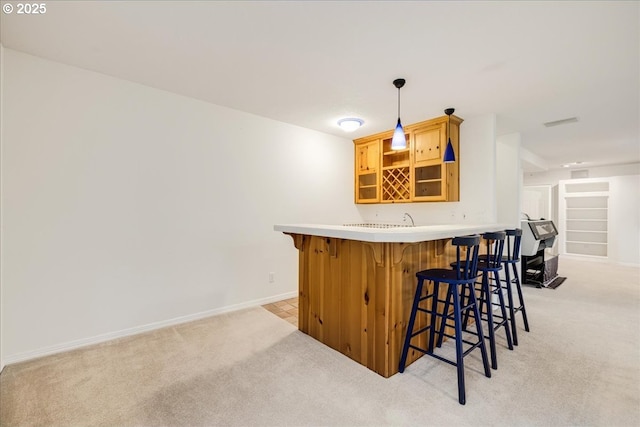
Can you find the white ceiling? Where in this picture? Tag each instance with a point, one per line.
(312, 63)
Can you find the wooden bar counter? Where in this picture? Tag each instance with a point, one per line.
(356, 284)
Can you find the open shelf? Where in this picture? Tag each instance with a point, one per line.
(586, 217)
(395, 152)
(593, 249)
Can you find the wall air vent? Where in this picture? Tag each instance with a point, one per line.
(578, 174)
(561, 122)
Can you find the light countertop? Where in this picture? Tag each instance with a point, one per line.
(420, 233)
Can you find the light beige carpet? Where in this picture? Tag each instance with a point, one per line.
(579, 365)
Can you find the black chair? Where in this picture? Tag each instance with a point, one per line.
(489, 265)
(512, 257)
(458, 280)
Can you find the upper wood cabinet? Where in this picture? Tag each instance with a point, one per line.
(368, 156)
(427, 143)
(367, 173)
(416, 174)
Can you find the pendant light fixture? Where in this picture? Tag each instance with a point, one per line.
(449, 155)
(399, 142)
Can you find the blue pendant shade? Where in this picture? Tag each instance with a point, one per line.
(399, 142)
(449, 156)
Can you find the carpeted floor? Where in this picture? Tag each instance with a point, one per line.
(579, 365)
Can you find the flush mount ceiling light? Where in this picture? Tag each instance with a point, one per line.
(399, 141)
(449, 155)
(350, 124)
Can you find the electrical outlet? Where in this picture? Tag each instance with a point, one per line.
(272, 277)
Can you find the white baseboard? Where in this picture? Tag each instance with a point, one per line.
(73, 345)
(592, 258)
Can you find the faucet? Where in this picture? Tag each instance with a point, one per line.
(404, 219)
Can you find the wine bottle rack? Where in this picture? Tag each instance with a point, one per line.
(396, 184)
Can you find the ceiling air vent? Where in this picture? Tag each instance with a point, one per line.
(561, 122)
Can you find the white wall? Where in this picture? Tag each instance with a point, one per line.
(509, 179)
(624, 219)
(537, 202)
(126, 207)
(1, 204)
(477, 203)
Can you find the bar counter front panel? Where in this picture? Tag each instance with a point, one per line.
(356, 289)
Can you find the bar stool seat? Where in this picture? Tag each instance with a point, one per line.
(458, 281)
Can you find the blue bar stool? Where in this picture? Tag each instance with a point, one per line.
(490, 264)
(514, 237)
(458, 280)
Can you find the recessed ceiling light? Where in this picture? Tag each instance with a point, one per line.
(568, 165)
(350, 124)
(561, 122)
